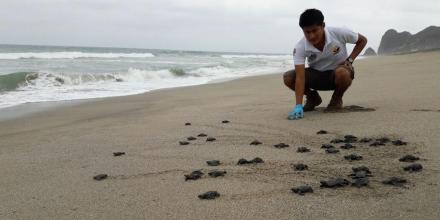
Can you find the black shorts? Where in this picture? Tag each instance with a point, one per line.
(319, 80)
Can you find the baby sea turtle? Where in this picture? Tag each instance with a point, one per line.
(183, 142)
(225, 121)
(216, 173)
(191, 138)
(359, 174)
(365, 140)
(361, 168)
(331, 150)
(255, 142)
(242, 161)
(336, 141)
(347, 146)
(302, 150)
(394, 181)
(383, 140)
(213, 163)
(255, 160)
(202, 135)
(326, 146)
(350, 139)
(209, 195)
(300, 167)
(377, 143)
(281, 145)
(187, 124)
(334, 183)
(360, 182)
(415, 167)
(195, 175)
(399, 143)
(349, 136)
(408, 158)
(210, 139)
(322, 132)
(117, 154)
(302, 190)
(100, 177)
(353, 157)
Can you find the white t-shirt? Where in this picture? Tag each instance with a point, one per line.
(334, 52)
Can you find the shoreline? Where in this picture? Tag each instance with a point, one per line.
(27, 109)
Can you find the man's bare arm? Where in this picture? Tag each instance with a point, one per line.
(360, 44)
(300, 83)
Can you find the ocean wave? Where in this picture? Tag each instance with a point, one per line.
(18, 80)
(71, 55)
(255, 56)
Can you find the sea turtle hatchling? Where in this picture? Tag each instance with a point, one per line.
(183, 142)
(350, 139)
(347, 146)
(360, 182)
(334, 183)
(331, 150)
(399, 143)
(365, 140)
(213, 163)
(256, 142)
(408, 158)
(353, 157)
(209, 195)
(281, 145)
(255, 161)
(326, 146)
(191, 138)
(394, 181)
(415, 167)
(117, 154)
(322, 132)
(361, 168)
(336, 141)
(100, 177)
(216, 173)
(302, 190)
(195, 175)
(210, 139)
(300, 167)
(303, 150)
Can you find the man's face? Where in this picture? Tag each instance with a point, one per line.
(314, 34)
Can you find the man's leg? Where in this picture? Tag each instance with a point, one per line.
(343, 79)
(312, 97)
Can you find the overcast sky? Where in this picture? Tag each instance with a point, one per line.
(209, 25)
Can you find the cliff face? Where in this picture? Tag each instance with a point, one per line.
(370, 52)
(396, 43)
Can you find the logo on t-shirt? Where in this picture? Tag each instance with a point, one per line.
(336, 49)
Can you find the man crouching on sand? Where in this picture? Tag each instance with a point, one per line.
(330, 68)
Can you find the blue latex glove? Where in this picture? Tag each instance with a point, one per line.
(296, 113)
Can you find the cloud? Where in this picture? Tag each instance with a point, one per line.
(221, 25)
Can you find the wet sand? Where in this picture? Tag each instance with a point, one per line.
(49, 158)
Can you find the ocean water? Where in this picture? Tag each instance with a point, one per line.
(30, 74)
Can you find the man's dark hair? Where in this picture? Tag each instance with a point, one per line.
(311, 17)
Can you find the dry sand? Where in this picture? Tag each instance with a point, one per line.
(48, 159)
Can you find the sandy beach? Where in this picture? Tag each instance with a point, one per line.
(48, 159)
